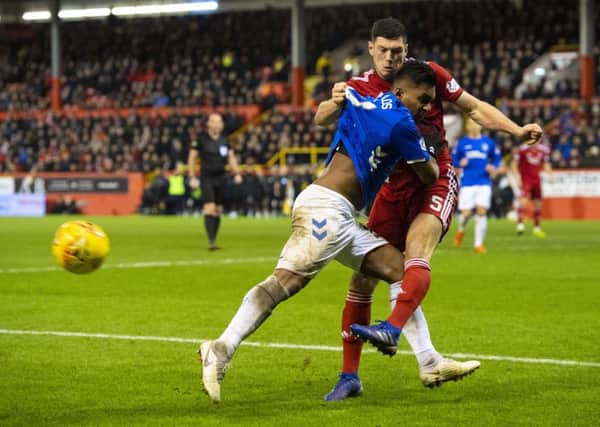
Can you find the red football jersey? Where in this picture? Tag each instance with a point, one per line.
(531, 160)
(432, 125)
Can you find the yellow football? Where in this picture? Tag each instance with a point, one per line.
(80, 246)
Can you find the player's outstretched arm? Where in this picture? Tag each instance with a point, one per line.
(491, 118)
(328, 111)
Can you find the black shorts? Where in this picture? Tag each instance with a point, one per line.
(213, 188)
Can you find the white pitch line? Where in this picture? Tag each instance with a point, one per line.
(148, 264)
(295, 347)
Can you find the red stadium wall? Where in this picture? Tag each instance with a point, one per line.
(571, 194)
(95, 193)
(246, 111)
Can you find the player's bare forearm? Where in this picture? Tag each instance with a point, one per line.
(327, 113)
(492, 118)
(428, 172)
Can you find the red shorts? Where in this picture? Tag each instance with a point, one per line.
(531, 189)
(404, 197)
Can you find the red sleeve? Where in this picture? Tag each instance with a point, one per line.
(447, 87)
(358, 85)
(369, 84)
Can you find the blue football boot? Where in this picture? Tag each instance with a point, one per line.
(347, 386)
(383, 335)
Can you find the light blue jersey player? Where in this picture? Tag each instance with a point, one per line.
(373, 135)
(479, 159)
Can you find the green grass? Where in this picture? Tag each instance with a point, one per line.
(526, 298)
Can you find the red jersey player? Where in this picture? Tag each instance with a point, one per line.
(529, 162)
(409, 215)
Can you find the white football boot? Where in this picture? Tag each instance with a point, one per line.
(447, 370)
(214, 357)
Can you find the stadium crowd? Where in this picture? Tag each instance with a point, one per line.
(210, 61)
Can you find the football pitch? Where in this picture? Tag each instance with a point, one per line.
(118, 346)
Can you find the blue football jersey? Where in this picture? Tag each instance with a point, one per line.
(377, 133)
(480, 152)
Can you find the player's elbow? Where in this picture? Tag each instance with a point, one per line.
(319, 120)
(322, 118)
(430, 177)
(428, 172)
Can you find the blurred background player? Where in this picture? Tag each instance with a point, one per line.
(411, 216)
(478, 158)
(529, 162)
(215, 154)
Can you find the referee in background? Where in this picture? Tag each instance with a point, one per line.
(215, 153)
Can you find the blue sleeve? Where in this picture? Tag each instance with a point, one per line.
(457, 154)
(494, 154)
(411, 144)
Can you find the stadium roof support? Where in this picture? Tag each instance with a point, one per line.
(298, 52)
(55, 52)
(586, 48)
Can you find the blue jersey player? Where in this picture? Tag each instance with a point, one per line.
(479, 159)
(373, 134)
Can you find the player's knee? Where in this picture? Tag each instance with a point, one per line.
(266, 295)
(363, 284)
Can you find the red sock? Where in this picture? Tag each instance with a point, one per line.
(356, 310)
(520, 214)
(537, 214)
(417, 277)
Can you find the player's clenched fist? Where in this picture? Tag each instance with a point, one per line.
(531, 133)
(338, 93)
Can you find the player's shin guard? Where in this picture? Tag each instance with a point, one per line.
(357, 309)
(417, 278)
(256, 306)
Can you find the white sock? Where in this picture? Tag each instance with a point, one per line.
(246, 320)
(480, 229)
(416, 332)
(462, 222)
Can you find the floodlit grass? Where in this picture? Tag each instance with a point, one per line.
(526, 298)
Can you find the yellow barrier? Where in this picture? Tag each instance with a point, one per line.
(281, 155)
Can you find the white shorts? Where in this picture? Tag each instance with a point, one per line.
(324, 228)
(473, 196)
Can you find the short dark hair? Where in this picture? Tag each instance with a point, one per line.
(388, 28)
(418, 72)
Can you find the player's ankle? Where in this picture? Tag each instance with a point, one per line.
(428, 358)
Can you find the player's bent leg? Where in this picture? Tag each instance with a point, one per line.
(422, 240)
(357, 309)
(256, 306)
(385, 262)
